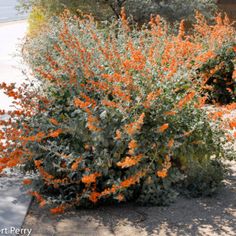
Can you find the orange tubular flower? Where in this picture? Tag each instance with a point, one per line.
(170, 113)
(39, 198)
(132, 180)
(162, 173)
(234, 74)
(164, 127)
(54, 121)
(186, 99)
(188, 133)
(75, 165)
(92, 120)
(109, 191)
(216, 115)
(181, 30)
(45, 174)
(130, 161)
(201, 102)
(120, 197)
(124, 20)
(57, 210)
(151, 97)
(55, 133)
(133, 144)
(171, 143)
(109, 103)
(94, 196)
(134, 127)
(27, 181)
(36, 138)
(232, 124)
(231, 106)
(79, 103)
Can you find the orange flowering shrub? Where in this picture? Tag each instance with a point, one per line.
(116, 114)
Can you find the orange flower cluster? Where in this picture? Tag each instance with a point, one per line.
(91, 123)
(110, 104)
(162, 173)
(166, 166)
(216, 115)
(89, 179)
(151, 97)
(79, 103)
(135, 127)
(201, 102)
(109, 191)
(232, 124)
(181, 30)
(171, 143)
(130, 161)
(94, 197)
(132, 180)
(55, 133)
(132, 146)
(36, 138)
(75, 165)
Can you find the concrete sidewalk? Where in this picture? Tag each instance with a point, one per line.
(14, 202)
(11, 35)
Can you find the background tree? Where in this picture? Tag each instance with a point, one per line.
(140, 10)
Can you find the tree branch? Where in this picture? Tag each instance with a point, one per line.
(114, 10)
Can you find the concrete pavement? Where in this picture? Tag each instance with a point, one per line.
(14, 202)
(11, 35)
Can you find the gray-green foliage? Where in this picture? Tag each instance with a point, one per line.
(202, 179)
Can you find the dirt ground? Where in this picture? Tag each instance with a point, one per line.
(200, 216)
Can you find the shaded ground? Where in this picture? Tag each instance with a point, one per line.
(202, 216)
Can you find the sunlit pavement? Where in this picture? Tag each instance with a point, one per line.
(11, 35)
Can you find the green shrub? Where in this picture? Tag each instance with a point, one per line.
(221, 68)
(203, 179)
(115, 115)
